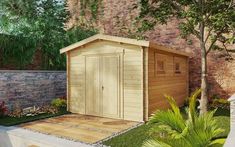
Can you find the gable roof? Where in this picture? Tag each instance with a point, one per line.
(105, 37)
(142, 43)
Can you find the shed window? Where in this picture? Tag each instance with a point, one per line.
(177, 68)
(160, 67)
(160, 63)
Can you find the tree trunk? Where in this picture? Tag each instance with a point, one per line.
(204, 94)
(204, 97)
(204, 86)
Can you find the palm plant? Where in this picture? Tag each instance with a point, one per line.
(173, 129)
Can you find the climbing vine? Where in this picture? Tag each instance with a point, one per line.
(93, 6)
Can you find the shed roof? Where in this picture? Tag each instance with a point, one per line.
(142, 43)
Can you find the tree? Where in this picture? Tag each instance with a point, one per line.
(37, 24)
(211, 22)
(42, 22)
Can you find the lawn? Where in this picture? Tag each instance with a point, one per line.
(11, 121)
(136, 137)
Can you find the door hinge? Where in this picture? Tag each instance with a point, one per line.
(123, 51)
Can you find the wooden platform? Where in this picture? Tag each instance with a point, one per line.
(82, 128)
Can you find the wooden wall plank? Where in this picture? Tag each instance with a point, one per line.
(131, 78)
(68, 79)
(77, 82)
(133, 85)
(169, 83)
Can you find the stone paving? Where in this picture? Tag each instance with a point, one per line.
(19, 137)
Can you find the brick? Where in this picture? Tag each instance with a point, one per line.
(31, 88)
(117, 19)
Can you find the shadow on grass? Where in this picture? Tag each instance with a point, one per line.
(137, 136)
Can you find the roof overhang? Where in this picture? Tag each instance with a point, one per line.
(169, 49)
(136, 42)
(107, 38)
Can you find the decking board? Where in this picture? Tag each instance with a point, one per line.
(81, 128)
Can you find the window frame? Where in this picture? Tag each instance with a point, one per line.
(177, 69)
(182, 63)
(160, 67)
(158, 72)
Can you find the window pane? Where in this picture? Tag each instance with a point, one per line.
(177, 68)
(160, 65)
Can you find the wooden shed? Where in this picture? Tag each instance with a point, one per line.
(123, 78)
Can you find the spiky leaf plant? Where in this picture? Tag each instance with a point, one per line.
(174, 130)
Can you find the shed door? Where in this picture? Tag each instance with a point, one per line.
(93, 101)
(102, 86)
(110, 86)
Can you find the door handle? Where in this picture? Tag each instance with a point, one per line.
(102, 87)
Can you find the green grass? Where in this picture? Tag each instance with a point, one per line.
(137, 136)
(11, 121)
(224, 123)
(132, 138)
(222, 112)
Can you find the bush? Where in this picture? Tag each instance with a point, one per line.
(3, 109)
(220, 103)
(173, 130)
(59, 103)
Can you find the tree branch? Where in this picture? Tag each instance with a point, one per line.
(208, 34)
(231, 50)
(211, 46)
(177, 6)
(214, 41)
(226, 49)
(196, 33)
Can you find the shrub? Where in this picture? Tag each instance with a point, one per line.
(48, 109)
(3, 109)
(173, 130)
(59, 103)
(220, 103)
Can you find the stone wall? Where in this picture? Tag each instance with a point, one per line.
(29, 88)
(117, 17)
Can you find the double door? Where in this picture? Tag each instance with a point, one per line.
(103, 85)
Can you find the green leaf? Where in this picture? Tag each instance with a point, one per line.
(220, 141)
(155, 143)
(38, 25)
(192, 105)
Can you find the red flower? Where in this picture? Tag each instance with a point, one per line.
(3, 109)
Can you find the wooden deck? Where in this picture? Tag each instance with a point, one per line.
(82, 128)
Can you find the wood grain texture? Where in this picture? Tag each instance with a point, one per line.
(100, 37)
(133, 85)
(167, 83)
(77, 82)
(83, 128)
(130, 80)
(121, 40)
(141, 88)
(111, 106)
(145, 77)
(93, 92)
(68, 80)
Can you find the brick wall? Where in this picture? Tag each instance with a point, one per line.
(117, 18)
(29, 88)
